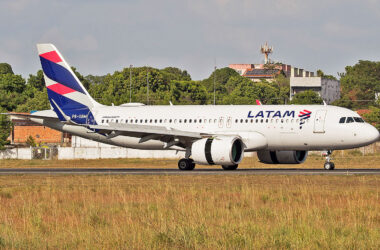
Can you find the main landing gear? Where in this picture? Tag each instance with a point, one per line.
(329, 165)
(186, 164)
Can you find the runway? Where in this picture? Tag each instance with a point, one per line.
(199, 171)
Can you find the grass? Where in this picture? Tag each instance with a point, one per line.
(206, 212)
(348, 160)
(203, 212)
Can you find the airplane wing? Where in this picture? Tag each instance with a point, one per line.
(146, 133)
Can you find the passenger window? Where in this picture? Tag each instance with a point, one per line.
(102, 121)
(170, 121)
(150, 121)
(126, 120)
(136, 121)
(200, 120)
(160, 120)
(342, 120)
(190, 120)
(266, 121)
(117, 121)
(257, 120)
(155, 120)
(251, 120)
(241, 120)
(236, 120)
(146, 120)
(262, 120)
(180, 120)
(350, 120)
(195, 120)
(141, 120)
(246, 120)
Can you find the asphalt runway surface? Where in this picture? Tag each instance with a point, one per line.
(197, 171)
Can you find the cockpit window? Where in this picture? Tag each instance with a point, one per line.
(342, 120)
(358, 119)
(350, 120)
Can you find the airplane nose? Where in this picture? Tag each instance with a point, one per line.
(373, 134)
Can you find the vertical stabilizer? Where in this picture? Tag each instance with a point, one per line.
(69, 99)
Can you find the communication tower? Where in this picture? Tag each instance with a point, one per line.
(266, 50)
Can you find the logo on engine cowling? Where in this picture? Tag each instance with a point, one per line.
(304, 115)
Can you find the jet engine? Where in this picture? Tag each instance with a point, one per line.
(282, 157)
(220, 150)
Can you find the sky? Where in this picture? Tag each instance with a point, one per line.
(100, 37)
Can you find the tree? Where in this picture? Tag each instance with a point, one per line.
(5, 68)
(5, 128)
(360, 83)
(321, 74)
(373, 117)
(37, 81)
(307, 97)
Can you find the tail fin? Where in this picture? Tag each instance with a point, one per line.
(69, 99)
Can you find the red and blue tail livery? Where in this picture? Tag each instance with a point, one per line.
(67, 95)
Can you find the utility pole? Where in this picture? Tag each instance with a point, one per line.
(130, 83)
(214, 82)
(147, 88)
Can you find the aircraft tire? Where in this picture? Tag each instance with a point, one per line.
(232, 167)
(329, 166)
(186, 164)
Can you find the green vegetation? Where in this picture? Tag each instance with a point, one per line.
(189, 212)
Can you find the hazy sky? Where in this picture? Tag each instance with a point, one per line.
(99, 37)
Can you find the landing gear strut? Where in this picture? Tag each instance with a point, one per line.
(186, 164)
(329, 165)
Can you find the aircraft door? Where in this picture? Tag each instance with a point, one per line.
(319, 122)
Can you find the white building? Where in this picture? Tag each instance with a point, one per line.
(328, 89)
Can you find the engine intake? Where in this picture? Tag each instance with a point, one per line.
(221, 150)
(282, 157)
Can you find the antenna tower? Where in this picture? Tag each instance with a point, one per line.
(266, 50)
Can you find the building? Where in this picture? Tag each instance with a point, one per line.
(300, 79)
(23, 128)
(268, 72)
(328, 89)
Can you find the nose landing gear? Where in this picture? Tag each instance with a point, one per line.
(329, 165)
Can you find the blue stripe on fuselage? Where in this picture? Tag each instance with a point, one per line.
(60, 74)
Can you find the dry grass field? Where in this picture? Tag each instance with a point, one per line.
(206, 212)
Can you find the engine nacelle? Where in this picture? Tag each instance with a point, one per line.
(282, 157)
(220, 150)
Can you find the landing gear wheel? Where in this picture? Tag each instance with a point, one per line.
(186, 164)
(232, 167)
(329, 166)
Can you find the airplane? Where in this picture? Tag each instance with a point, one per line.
(208, 134)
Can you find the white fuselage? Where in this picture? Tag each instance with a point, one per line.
(279, 125)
